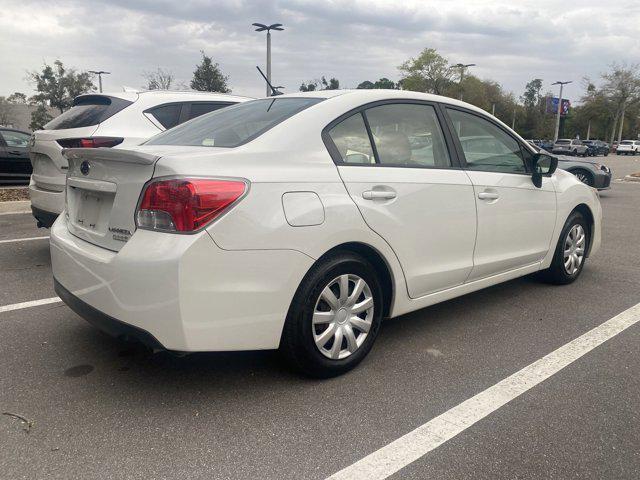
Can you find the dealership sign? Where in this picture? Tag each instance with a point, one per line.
(552, 106)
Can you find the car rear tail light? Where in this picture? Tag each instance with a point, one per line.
(186, 204)
(93, 142)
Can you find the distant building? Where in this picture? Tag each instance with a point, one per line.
(18, 116)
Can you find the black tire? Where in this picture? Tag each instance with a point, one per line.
(574, 153)
(297, 343)
(584, 176)
(556, 273)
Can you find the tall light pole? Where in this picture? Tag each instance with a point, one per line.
(462, 66)
(562, 84)
(99, 73)
(260, 27)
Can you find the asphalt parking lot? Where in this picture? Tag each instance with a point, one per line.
(104, 409)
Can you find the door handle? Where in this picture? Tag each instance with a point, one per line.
(378, 194)
(488, 196)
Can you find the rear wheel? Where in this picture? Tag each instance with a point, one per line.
(334, 317)
(571, 250)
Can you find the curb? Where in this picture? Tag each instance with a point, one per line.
(629, 178)
(18, 206)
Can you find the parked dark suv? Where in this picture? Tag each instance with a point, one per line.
(596, 147)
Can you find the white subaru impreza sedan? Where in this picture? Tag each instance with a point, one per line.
(300, 221)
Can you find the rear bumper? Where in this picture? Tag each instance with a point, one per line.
(48, 201)
(178, 292)
(104, 322)
(45, 219)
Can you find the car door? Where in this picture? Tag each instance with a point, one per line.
(515, 218)
(14, 153)
(395, 162)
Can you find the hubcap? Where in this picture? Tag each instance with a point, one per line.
(574, 245)
(342, 316)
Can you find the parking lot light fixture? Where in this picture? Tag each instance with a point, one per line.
(462, 67)
(99, 73)
(261, 27)
(562, 84)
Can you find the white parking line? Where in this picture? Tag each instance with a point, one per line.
(33, 303)
(398, 454)
(14, 240)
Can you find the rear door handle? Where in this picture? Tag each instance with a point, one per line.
(488, 196)
(378, 194)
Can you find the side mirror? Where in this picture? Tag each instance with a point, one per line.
(542, 164)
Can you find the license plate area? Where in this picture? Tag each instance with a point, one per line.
(89, 211)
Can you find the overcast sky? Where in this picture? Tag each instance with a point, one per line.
(510, 41)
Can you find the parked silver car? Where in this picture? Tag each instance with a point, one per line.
(568, 146)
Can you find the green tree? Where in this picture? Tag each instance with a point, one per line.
(6, 112)
(208, 77)
(17, 98)
(40, 117)
(429, 72)
(57, 86)
(382, 83)
(533, 115)
(320, 84)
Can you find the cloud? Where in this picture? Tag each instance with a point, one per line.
(511, 42)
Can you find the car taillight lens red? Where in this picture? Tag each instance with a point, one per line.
(186, 204)
(93, 142)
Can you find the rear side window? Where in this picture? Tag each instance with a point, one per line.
(168, 115)
(352, 141)
(235, 125)
(408, 135)
(87, 111)
(15, 139)
(198, 109)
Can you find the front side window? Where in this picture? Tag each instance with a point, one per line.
(233, 126)
(352, 141)
(15, 139)
(407, 134)
(485, 146)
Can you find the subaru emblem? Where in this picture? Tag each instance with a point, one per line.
(85, 167)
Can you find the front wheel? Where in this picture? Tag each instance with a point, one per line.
(584, 176)
(334, 317)
(571, 250)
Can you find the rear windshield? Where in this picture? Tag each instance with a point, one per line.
(626, 142)
(235, 125)
(88, 111)
(563, 142)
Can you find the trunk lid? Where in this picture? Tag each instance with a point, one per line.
(102, 192)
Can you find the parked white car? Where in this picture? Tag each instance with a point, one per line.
(298, 222)
(628, 147)
(106, 120)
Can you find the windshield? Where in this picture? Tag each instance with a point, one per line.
(87, 111)
(563, 142)
(234, 126)
(626, 142)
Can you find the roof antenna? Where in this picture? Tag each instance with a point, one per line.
(274, 90)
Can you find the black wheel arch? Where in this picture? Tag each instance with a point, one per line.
(379, 263)
(586, 212)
